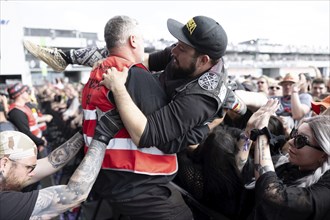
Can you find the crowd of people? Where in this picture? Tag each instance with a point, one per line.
(166, 135)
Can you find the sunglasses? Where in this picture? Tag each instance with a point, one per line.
(301, 141)
(274, 87)
(260, 82)
(29, 168)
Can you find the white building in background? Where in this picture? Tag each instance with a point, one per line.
(258, 57)
(16, 64)
(19, 65)
(12, 58)
(253, 57)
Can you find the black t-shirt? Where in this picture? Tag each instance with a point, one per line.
(17, 205)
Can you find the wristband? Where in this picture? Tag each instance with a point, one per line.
(255, 133)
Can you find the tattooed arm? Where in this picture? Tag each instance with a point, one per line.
(54, 200)
(262, 158)
(260, 119)
(57, 159)
(244, 145)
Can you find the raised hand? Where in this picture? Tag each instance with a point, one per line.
(114, 79)
(261, 117)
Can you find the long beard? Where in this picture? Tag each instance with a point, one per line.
(182, 73)
(10, 183)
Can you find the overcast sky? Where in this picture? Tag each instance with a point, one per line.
(288, 22)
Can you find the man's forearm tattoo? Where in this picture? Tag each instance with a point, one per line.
(57, 199)
(66, 151)
(89, 168)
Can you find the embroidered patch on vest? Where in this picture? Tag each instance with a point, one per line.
(208, 81)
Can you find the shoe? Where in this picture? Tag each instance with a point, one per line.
(50, 56)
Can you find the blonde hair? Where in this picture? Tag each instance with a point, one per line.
(266, 78)
(320, 126)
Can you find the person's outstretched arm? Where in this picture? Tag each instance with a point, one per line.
(262, 157)
(244, 144)
(253, 100)
(57, 159)
(55, 200)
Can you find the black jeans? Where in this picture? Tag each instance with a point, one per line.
(162, 202)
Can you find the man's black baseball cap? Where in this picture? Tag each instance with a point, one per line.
(202, 33)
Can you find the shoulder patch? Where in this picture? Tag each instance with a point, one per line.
(209, 81)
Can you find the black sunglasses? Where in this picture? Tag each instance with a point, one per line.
(274, 87)
(301, 141)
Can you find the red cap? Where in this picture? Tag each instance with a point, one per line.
(16, 90)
